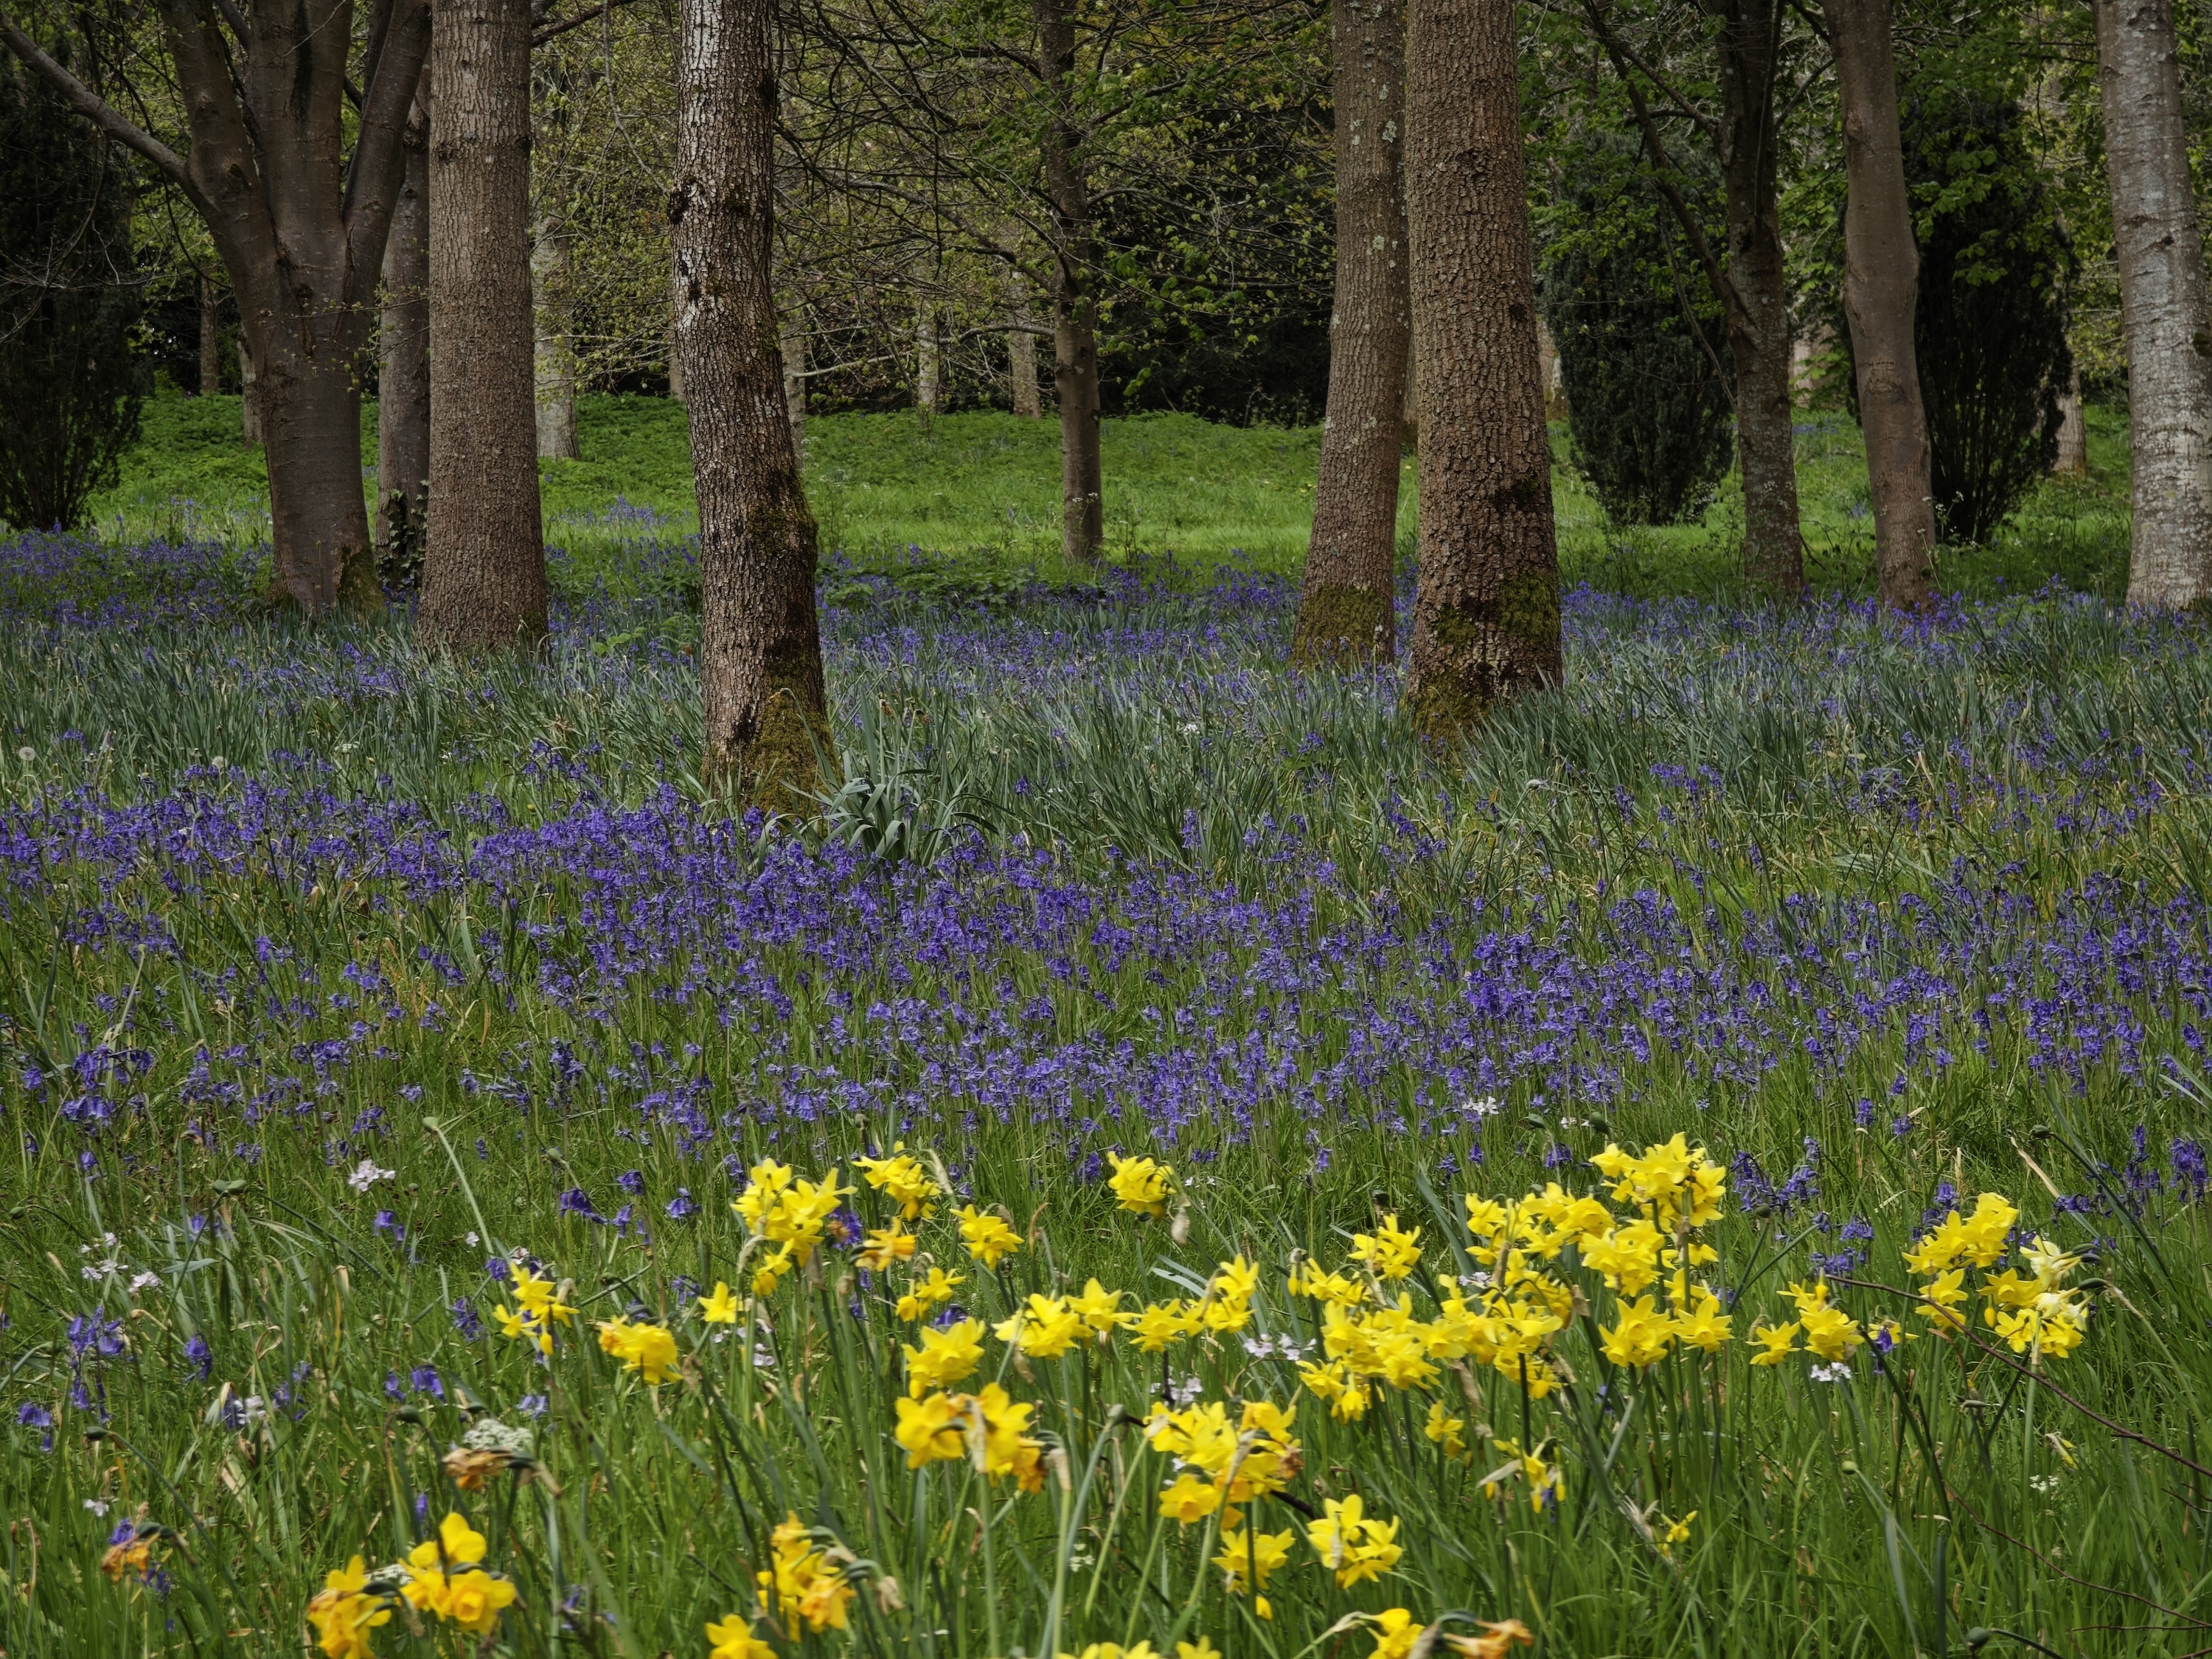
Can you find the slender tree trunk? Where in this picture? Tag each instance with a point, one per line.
(1759, 323)
(211, 337)
(1021, 348)
(760, 658)
(2163, 306)
(1486, 616)
(483, 566)
(1881, 266)
(402, 408)
(791, 347)
(1074, 317)
(249, 400)
(928, 391)
(675, 306)
(554, 348)
(1344, 606)
(2072, 461)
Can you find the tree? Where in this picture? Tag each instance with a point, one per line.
(483, 563)
(70, 385)
(403, 385)
(1640, 338)
(760, 650)
(1881, 274)
(300, 221)
(1487, 615)
(2160, 249)
(1345, 607)
(1753, 46)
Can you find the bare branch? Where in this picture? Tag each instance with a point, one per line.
(97, 110)
(539, 36)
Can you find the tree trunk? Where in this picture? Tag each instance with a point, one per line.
(791, 346)
(211, 337)
(402, 407)
(1074, 330)
(675, 304)
(1486, 616)
(1758, 321)
(483, 565)
(2160, 252)
(760, 654)
(554, 348)
(1881, 267)
(249, 404)
(1021, 348)
(1344, 606)
(926, 389)
(2072, 461)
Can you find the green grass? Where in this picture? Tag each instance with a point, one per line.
(981, 492)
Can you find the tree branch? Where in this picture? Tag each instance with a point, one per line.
(98, 111)
(539, 36)
(372, 170)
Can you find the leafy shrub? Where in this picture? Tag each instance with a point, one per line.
(70, 385)
(1640, 340)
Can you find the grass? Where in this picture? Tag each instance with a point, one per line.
(980, 493)
(339, 981)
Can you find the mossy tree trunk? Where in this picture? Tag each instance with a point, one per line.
(1486, 616)
(1344, 606)
(1881, 267)
(483, 560)
(760, 658)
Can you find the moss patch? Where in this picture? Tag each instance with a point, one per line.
(1338, 626)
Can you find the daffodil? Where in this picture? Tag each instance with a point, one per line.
(721, 1307)
(988, 1238)
(945, 1357)
(1139, 1185)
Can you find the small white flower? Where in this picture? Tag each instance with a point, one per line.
(472, 1239)
(97, 1505)
(217, 762)
(145, 1281)
(1190, 728)
(1259, 1347)
(1485, 1106)
(1187, 1392)
(1836, 1373)
(367, 1174)
(26, 754)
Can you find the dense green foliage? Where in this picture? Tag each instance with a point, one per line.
(71, 383)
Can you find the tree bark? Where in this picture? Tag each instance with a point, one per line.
(300, 224)
(249, 407)
(1074, 319)
(791, 347)
(483, 562)
(760, 658)
(554, 346)
(211, 337)
(1759, 322)
(2163, 308)
(402, 407)
(675, 304)
(1881, 266)
(1486, 616)
(1021, 348)
(1344, 606)
(927, 392)
(2072, 461)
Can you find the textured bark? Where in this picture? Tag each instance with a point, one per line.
(927, 390)
(300, 223)
(1021, 348)
(2072, 461)
(1882, 265)
(1345, 605)
(249, 403)
(483, 562)
(402, 408)
(760, 657)
(1486, 616)
(675, 304)
(791, 347)
(2160, 250)
(1074, 310)
(1758, 318)
(554, 347)
(211, 337)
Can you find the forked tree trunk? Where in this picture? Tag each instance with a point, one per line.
(1486, 616)
(1881, 266)
(211, 337)
(1021, 348)
(484, 564)
(791, 347)
(554, 348)
(1345, 605)
(1074, 319)
(2160, 252)
(402, 408)
(2072, 461)
(1758, 321)
(760, 655)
